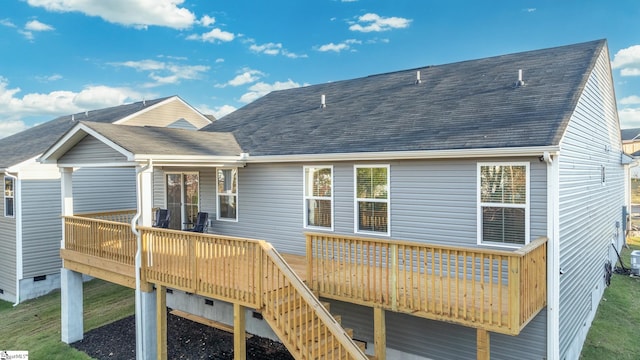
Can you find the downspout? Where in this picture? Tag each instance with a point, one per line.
(138, 261)
(553, 257)
(18, 219)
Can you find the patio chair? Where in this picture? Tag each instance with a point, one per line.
(162, 218)
(202, 223)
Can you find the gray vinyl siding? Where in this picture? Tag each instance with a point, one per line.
(589, 209)
(440, 340)
(431, 201)
(91, 150)
(8, 251)
(41, 227)
(101, 189)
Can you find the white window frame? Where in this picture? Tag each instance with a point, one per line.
(12, 196)
(311, 197)
(356, 215)
(234, 170)
(526, 206)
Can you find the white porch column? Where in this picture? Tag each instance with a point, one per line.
(146, 308)
(72, 321)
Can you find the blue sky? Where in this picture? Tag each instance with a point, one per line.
(66, 56)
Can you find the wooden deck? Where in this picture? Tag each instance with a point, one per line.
(487, 289)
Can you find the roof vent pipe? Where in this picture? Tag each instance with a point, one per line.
(520, 81)
(418, 81)
(323, 103)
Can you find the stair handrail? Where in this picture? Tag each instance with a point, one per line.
(332, 325)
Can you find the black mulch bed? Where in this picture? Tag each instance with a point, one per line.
(185, 340)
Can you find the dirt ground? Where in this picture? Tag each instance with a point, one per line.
(185, 340)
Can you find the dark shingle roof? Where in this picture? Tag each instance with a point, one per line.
(151, 140)
(465, 105)
(34, 141)
(630, 134)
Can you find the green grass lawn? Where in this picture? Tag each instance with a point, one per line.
(614, 332)
(34, 325)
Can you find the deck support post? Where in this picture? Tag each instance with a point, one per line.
(161, 319)
(380, 333)
(72, 322)
(146, 307)
(239, 332)
(484, 349)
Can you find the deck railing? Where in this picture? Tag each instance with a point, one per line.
(242, 271)
(495, 290)
(105, 239)
(122, 216)
(251, 273)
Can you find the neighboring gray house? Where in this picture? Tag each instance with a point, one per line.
(484, 154)
(30, 228)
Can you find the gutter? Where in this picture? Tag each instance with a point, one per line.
(537, 151)
(553, 256)
(138, 263)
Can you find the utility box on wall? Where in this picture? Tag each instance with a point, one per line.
(635, 262)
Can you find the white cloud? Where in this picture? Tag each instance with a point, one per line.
(260, 89)
(333, 47)
(345, 45)
(629, 118)
(137, 13)
(218, 111)
(628, 61)
(247, 76)
(35, 25)
(27, 34)
(375, 23)
(349, 0)
(268, 48)
(272, 49)
(48, 78)
(207, 21)
(13, 108)
(530, 10)
(219, 60)
(163, 73)
(215, 35)
(630, 100)
(7, 23)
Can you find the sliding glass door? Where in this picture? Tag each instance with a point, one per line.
(183, 194)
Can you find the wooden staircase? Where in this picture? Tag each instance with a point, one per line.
(301, 327)
(301, 321)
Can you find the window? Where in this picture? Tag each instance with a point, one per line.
(318, 197)
(503, 204)
(9, 196)
(372, 199)
(227, 194)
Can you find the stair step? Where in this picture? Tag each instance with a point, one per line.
(361, 344)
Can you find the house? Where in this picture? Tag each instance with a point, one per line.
(30, 229)
(445, 212)
(631, 146)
